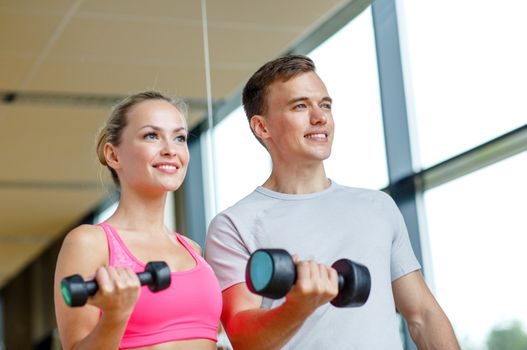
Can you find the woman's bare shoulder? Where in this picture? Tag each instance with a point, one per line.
(86, 243)
(193, 244)
(86, 235)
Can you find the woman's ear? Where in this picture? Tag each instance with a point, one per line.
(110, 154)
(259, 126)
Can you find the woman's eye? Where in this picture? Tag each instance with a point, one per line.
(181, 138)
(151, 136)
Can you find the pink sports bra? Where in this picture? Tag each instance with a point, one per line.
(189, 309)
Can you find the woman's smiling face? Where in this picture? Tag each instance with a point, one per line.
(153, 153)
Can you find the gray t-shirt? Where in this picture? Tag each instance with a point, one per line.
(339, 222)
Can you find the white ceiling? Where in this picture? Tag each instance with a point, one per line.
(57, 54)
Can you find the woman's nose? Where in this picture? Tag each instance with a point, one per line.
(169, 149)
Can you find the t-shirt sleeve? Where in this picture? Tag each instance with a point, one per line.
(226, 251)
(403, 260)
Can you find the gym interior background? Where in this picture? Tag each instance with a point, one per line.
(429, 106)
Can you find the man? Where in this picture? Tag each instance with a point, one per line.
(299, 209)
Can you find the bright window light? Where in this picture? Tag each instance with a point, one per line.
(347, 64)
(241, 163)
(478, 236)
(465, 71)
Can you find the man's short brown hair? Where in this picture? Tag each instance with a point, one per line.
(257, 87)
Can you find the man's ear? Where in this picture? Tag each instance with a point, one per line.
(259, 126)
(110, 154)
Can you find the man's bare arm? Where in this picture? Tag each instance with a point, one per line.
(428, 324)
(250, 327)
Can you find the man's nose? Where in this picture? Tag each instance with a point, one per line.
(318, 116)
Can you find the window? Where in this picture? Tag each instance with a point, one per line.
(478, 236)
(347, 64)
(241, 163)
(465, 72)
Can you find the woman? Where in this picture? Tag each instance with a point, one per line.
(144, 145)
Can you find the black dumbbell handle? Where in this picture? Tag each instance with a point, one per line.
(354, 280)
(281, 260)
(91, 287)
(145, 278)
(76, 291)
(339, 276)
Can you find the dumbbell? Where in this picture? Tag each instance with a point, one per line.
(76, 291)
(271, 273)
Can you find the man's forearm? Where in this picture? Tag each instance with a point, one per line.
(264, 329)
(433, 331)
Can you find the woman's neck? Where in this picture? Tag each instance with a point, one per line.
(136, 212)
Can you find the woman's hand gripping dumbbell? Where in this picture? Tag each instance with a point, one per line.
(271, 273)
(76, 291)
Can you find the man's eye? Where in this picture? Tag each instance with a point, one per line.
(326, 106)
(300, 106)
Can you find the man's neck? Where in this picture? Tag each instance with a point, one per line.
(298, 180)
